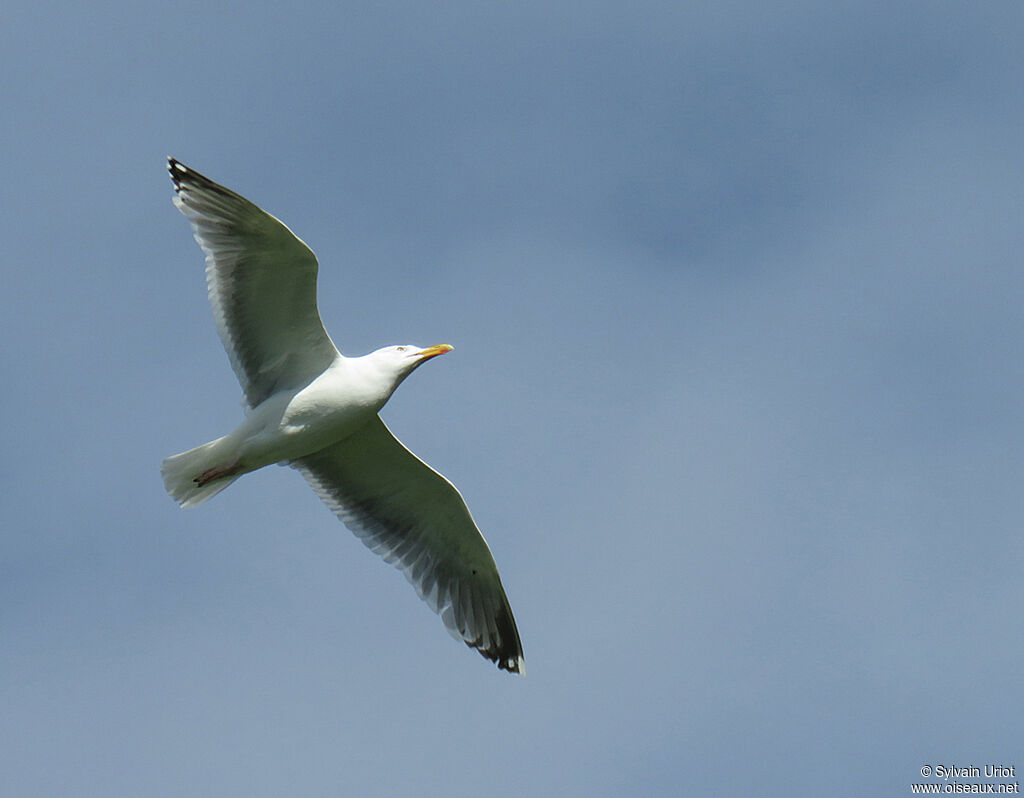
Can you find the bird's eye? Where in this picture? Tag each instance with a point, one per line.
(400, 348)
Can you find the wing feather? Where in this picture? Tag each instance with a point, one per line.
(262, 286)
(416, 520)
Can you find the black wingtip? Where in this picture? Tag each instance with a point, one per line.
(186, 178)
(516, 666)
(177, 171)
(513, 663)
(508, 653)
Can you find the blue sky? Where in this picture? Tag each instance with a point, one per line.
(736, 296)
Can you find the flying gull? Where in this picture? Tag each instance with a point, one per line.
(310, 407)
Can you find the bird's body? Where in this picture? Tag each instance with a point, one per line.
(289, 425)
(311, 407)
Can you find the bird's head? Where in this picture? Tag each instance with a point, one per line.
(398, 362)
(406, 357)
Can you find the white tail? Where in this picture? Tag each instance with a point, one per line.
(180, 472)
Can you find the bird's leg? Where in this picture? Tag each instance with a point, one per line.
(217, 472)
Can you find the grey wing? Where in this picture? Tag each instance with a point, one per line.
(415, 519)
(262, 286)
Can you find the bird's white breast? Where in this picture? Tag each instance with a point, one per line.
(293, 424)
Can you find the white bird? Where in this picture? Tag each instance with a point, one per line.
(309, 406)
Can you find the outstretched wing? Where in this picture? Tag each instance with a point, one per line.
(262, 286)
(415, 519)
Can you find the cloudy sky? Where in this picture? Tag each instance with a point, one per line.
(735, 291)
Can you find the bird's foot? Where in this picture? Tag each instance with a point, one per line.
(215, 473)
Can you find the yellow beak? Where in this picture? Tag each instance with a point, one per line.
(434, 351)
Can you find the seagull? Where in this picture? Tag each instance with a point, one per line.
(310, 407)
